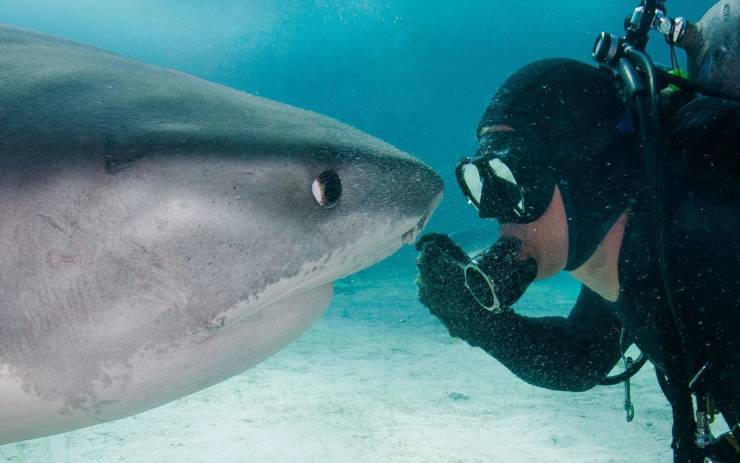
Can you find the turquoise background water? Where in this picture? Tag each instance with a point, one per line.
(417, 73)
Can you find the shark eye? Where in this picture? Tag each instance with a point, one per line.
(327, 188)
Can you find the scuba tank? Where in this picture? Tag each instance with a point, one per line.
(712, 48)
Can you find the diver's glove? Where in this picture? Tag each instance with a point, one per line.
(442, 287)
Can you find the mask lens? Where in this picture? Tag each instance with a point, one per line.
(490, 185)
(501, 170)
(510, 192)
(473, 183)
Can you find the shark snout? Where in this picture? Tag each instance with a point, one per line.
(419, 192)
(420, 189)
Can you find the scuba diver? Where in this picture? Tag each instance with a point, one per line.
(633, 191)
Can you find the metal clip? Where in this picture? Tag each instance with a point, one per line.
(703, 435)
(629, 409)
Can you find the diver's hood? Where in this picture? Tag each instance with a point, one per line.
(713, 48)
(570, 129)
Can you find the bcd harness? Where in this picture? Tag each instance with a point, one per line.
(643, 82)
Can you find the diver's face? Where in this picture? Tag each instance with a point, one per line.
(545, 239)
(506, 179)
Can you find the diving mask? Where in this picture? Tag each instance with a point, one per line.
(491, 187)
(501, 183)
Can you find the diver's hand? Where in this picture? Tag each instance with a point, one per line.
(445, 244)
(442, 287)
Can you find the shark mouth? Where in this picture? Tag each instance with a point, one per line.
(410, 236)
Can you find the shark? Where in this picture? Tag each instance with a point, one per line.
(160, 233)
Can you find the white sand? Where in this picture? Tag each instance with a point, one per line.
(378, 380)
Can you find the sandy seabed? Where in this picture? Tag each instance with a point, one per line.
(378, 379)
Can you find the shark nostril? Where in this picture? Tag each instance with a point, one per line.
(327, 188)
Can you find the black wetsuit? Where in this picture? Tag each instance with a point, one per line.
(576, 352)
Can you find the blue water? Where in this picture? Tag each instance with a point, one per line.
(417, 74)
